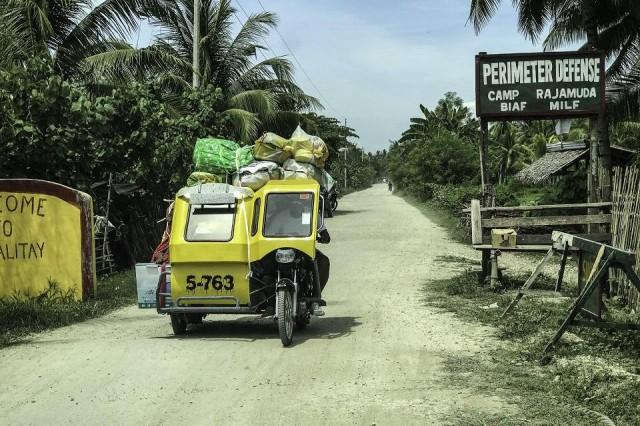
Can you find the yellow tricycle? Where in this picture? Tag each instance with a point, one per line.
(236, 251)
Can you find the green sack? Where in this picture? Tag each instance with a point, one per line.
(244, 157)
(220, 156)
(201, 177)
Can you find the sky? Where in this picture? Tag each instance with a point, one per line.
(374, 61)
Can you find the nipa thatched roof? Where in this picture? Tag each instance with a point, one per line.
(549, 164)
(562, 155)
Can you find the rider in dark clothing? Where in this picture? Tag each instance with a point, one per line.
(323, 261)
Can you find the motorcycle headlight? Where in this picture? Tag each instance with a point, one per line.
(285, 255)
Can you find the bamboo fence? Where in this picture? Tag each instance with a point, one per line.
(625, 227)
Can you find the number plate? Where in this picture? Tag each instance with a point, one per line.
(216, 283)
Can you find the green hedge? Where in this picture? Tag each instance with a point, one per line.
(52, 129)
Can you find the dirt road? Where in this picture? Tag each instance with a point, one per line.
(375, 358)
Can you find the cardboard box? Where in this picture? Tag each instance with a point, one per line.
(503, 238)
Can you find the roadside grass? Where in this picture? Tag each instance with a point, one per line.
(21, 316)
(440, 216)
(593, 376)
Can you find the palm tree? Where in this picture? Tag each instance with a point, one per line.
(87, 44)
(70, 32)
(450, 115)
(510, 151)
(257, 93)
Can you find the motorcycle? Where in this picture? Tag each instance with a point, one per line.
(236, 251)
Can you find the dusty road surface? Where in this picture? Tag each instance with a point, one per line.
(375, 358)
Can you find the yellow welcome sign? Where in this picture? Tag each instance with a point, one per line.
(46, 235)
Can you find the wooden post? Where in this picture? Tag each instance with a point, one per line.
(476, 223)
(529, 282)
(604, 151)
(484, 154)
(563, 263)
(592, 283)
(486, 266)
(105, 243)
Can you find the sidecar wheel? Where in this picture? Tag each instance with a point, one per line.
(179, 324)
(285, 316)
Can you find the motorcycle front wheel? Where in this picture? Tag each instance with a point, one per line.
(285, 316)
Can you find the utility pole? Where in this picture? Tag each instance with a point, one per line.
(196, 43)
(346, 134)
(345, 149)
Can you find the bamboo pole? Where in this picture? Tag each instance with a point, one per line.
(625, 226)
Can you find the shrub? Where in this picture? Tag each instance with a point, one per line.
(51, 129)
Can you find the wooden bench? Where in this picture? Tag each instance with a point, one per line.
(528, 218)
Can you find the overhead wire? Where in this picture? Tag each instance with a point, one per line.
(244, 11)
(295, 58)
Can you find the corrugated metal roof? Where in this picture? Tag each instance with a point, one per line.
(566, 146)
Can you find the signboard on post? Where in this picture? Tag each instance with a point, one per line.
(540, 85)
(46, 232)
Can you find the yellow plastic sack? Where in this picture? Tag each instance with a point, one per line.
(271, 147)
(201, 177)
(309, 149)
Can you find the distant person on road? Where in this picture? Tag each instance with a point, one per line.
(390, 186)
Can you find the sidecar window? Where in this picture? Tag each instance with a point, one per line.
(288, 215)
(210, 223)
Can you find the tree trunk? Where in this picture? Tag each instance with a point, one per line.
(600, 168)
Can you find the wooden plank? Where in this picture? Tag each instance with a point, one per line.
(476, 222)
(563, 263)
(486, 259)
(541, 239)
(529, 282)
(542, 207)
(525, 248)
(596, 263)
(591, 247)
(509, 222)
(579, 303)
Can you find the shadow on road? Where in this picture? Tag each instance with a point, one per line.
(347, 212)
(250, 329)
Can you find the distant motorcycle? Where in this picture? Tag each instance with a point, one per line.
(331, 198)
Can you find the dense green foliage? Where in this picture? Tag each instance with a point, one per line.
(78, 103)
(53, 130)
(87, 44)
(436, 159)
(437, 148)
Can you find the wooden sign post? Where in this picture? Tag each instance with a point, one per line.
(536, 86)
